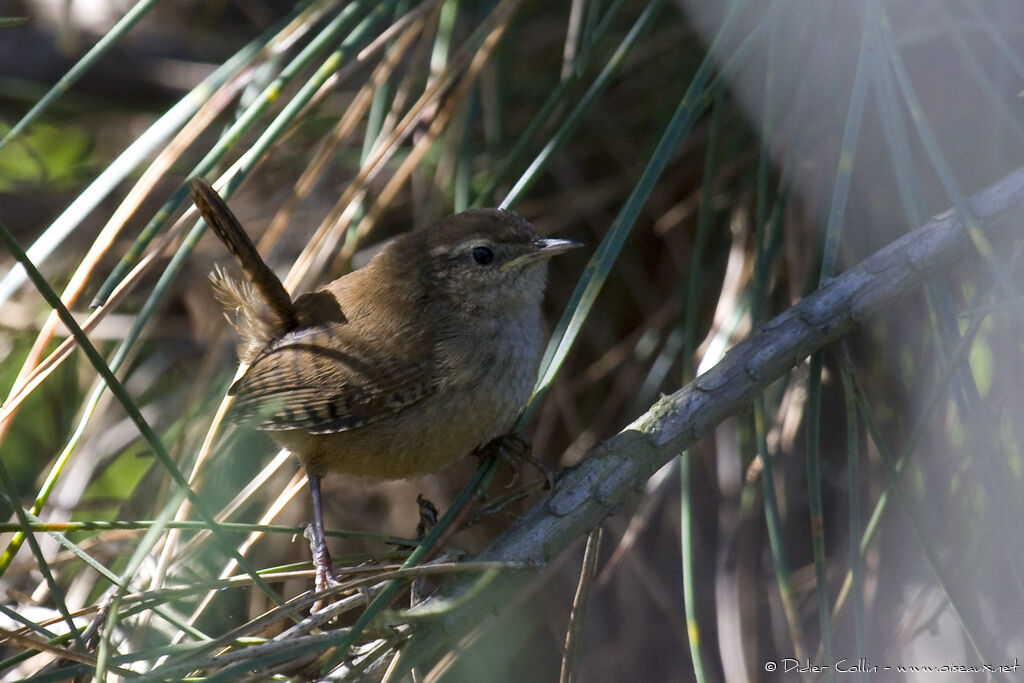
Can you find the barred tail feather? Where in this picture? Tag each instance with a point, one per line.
(266, 284)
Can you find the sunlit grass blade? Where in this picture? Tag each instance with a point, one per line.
(244, 122)
(180, 257)
(808, 137)
(116, 581)
(337, 224)
(123, 397)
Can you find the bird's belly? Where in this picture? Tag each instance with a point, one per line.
(418, 440)
(478, 400)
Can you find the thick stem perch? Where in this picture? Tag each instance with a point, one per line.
(587, 493)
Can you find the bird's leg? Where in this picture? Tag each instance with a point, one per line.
(317, 543)
(514, 449)
(428, 517)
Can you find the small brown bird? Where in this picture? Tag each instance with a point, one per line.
(399, 368)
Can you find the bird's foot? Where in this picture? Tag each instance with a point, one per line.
(428, 517)
(515, 449)
(324, 577)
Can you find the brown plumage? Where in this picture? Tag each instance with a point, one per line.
(396, 369)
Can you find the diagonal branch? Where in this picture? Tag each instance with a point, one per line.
(591, 490)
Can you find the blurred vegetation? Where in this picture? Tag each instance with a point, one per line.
(720, 160)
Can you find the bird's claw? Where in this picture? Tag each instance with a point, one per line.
(324, 577)
(515, 449)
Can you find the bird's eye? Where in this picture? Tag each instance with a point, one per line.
(483, 255)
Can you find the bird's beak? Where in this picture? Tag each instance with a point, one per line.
(550, 247)
(546, 248)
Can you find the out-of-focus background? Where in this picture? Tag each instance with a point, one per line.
(810, 135)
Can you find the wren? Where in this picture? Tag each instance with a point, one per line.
(396, 369)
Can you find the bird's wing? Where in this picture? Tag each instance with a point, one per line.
(308, 380)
